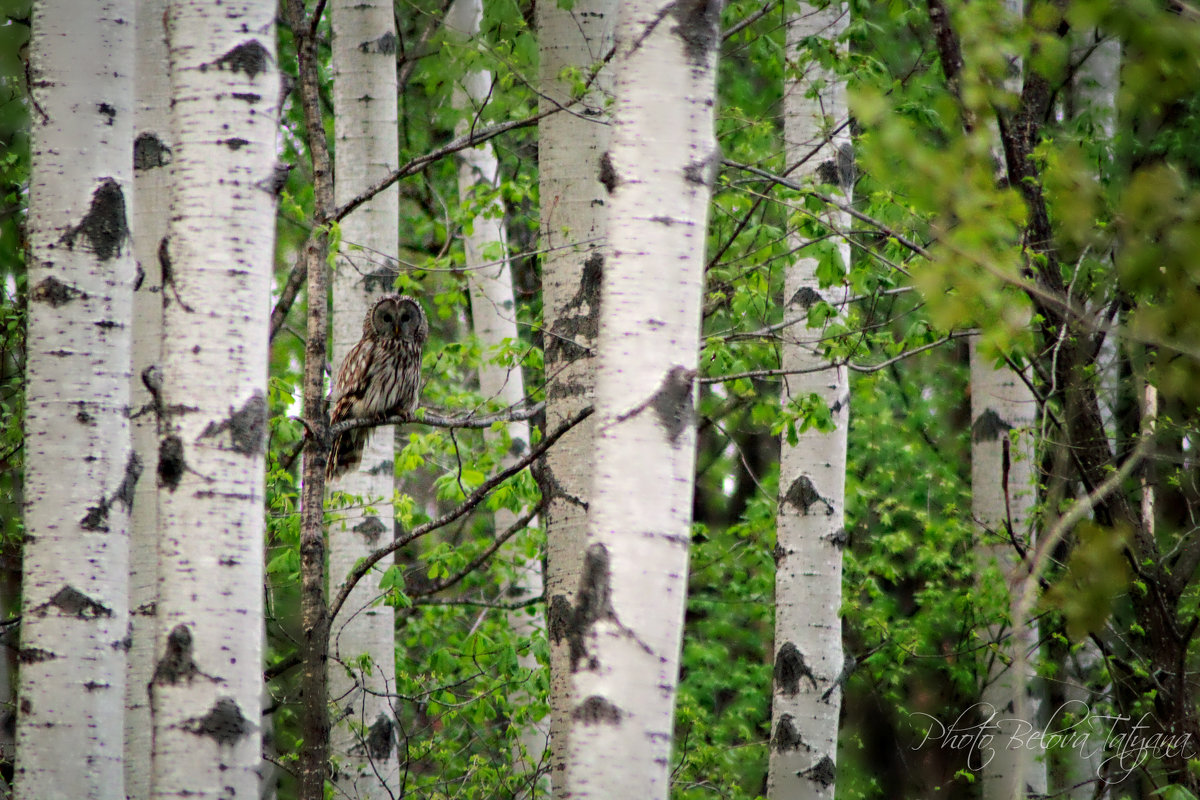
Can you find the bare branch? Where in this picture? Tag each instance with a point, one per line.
(858, 215)
(472, 500)
(497, 542)
(438, 420)
(420, 162)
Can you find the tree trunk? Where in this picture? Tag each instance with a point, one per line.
(626, 623)
(80, 473)
(313, 759)
(573, 230)
(363, 739)
(217, 271)
(494, 320)
(807, 685)
(1003, 415)
(153, 151)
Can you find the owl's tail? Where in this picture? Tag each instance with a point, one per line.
(346, 452)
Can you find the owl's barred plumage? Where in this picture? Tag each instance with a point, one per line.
(380, 377)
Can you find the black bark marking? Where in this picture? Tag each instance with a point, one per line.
(223, 722)
(149, 152)
(108, 111)
(168, 274)
(562, 345)
(53, 291)
(370, 528)
(846, 168)
(596, 710)
(608, 173)
(176, 665)
(383, 468)
(827, 172)
(384, 45)
(673, 402)
(559, 618)
(139, 278)
(790, 668)
(786, 736)
(234, 143)
(34, 655)
(247, 426)
(171, 463)
(839, 538)
(805, 297)
(248, 57)
(382, 279)
(247, 97)
(989, 427)
(104, 227)
(92, 686)
(274, 184)
(96, 518)
(803, 496)
(697, 26)
(704, 173)
(778, 554)
(824, 772)
(380, 738)
(592, 604)
(71, 602)
(124, 493)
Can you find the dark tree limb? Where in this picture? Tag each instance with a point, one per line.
(472, 500)
(313, 758)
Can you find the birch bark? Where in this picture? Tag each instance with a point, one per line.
(626, 621)
(80, 472)
(1003, 415)
(152, 154)
(573, 230)
(807, 690)
(494, 320)
(217, 265)
(363, 739)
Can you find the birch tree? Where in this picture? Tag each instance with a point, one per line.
(571, 147)
(152, 153)
(80, 474)
(807, 685)
(494, 321)
(1003, 415)
(626, 622)
(362, 666)
(217, 272)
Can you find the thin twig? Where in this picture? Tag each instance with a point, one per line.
(472, 500)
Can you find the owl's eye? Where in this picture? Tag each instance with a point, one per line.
(405, 317)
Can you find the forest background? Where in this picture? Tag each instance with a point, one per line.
(1009, 188)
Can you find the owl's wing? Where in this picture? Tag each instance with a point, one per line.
(351, 384)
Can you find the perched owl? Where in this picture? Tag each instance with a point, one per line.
(380, 377)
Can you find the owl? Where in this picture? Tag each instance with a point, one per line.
(380, 377)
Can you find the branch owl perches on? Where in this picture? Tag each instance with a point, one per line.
(380, 377)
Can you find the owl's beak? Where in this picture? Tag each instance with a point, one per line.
(397, 326)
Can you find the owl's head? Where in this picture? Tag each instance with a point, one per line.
(397, 316)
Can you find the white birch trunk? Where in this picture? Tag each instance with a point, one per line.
(627, 618)
(363, 739)
(810, 534)
(80, 473)
(152, 153)
(206, 688)
(1003, 415)
(573, 229)
(494, 319)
